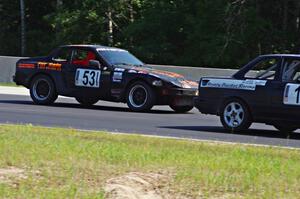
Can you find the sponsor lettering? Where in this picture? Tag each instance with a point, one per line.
(49, 66)
(233, 84)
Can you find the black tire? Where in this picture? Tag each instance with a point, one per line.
(42, 90)
(86, 101)
(235, 115)
(181, 109)
(140, 97)
(285, 129)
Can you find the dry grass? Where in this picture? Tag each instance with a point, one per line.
(75, 164)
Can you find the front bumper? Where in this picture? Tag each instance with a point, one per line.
(180, 92)
(178, 96)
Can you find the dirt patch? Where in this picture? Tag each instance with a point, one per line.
(137, 185)
(11, 174)
(227, 196)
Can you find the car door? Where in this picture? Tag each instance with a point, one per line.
(86, 79)
(62, 56)
(286, 94)
(264, 74)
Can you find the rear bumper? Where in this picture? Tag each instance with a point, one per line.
(20, 78)
(207, 106)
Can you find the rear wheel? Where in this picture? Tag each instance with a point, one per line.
(85, 101)
(181, 109)
(42, 90)
(235, 115)
(140, 97)
(286, 129)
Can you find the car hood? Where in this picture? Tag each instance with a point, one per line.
(171, 77)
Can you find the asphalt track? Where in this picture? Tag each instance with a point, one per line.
(116, 117)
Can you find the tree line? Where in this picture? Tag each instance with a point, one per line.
(223, 33)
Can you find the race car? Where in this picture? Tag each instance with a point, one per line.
(266, 90)
(93, 72)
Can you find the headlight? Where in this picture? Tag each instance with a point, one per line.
(176, 83)
(186, 85)
(157, 83)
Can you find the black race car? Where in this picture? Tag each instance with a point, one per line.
(93, 72)
(266, 90)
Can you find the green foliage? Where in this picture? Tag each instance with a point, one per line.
(9, 28)
(182, 32)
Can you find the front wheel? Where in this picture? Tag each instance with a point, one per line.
(235, 115)
(140, 97)
(181, 109)
(42, 90)
(86, 101)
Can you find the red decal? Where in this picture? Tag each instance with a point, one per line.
(23, 65)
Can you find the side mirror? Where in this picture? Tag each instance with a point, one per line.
(298, 79)
(95, 63)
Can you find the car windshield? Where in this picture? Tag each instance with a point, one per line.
(119, 57)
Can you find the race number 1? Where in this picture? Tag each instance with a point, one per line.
(87, 78)
(292, 94)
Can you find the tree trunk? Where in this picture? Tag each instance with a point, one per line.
(131, 17)
(23, 27)
(297, 16)
(1, 25)
(57, 29)
(285, 16)
(58, 4)
(297, 20)
(110, 27)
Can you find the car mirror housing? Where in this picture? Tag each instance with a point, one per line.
(95, 63)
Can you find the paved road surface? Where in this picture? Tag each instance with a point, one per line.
(115, 117)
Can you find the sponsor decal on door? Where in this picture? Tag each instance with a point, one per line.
(87, 78)
(247, 84)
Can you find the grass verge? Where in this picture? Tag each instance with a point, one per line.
(66, 163)
(8, 84)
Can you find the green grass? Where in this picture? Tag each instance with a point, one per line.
(8, 84)
(75, 164)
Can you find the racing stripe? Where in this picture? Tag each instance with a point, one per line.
(23, 65)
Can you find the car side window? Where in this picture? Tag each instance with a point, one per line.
(291, 70)
(64, 56)
(82, 57)
(265, 69)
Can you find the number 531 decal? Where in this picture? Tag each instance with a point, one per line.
(87, 78)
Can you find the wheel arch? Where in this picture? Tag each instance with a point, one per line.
(132, 81)
(38, 74)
